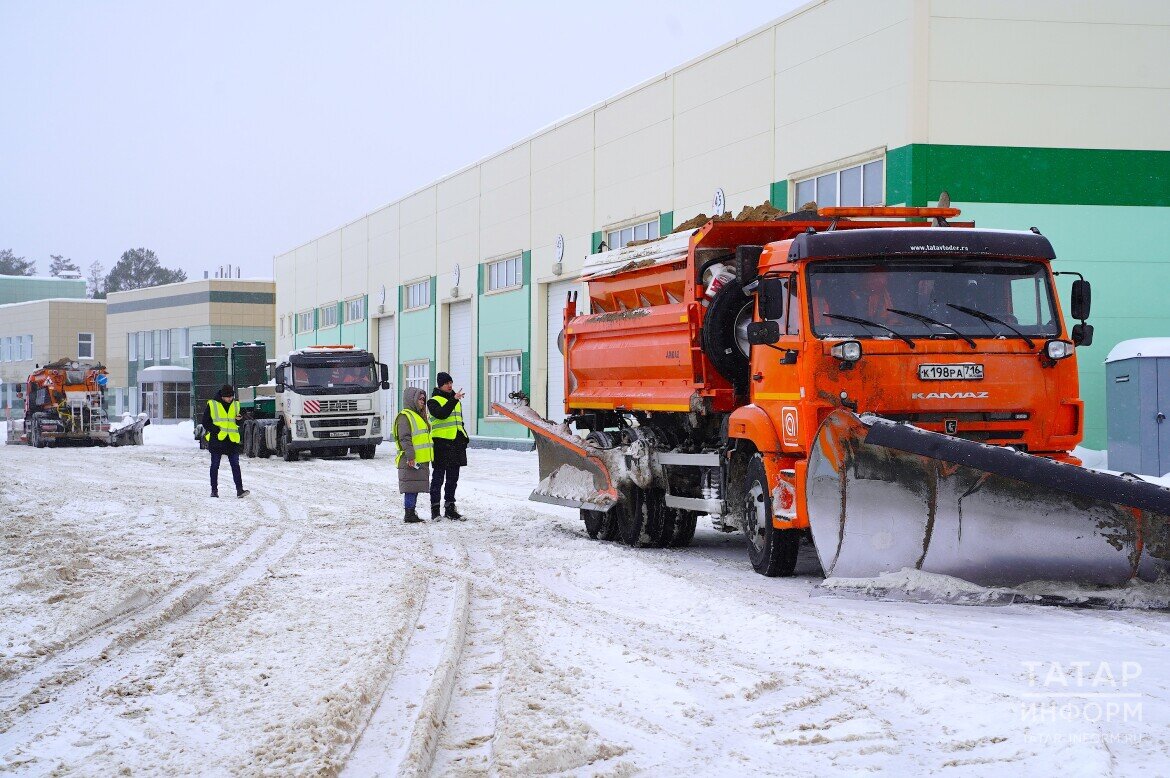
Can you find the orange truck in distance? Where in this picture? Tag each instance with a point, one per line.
(903, 392)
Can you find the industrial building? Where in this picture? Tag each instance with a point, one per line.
(39, 331)
(151, 331)
(1044, 114)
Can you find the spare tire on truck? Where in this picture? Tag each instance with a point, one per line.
(724, 334)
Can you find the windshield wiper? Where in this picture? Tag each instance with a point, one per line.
(927, 320)
(987, 317)
(868, 323)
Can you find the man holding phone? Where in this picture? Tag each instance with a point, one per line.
(450, 440)
(221, 433)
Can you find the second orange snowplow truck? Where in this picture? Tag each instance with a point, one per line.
(904, 391)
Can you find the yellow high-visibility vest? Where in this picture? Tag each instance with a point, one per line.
(225, 420)
(420, 437)
(448, 428)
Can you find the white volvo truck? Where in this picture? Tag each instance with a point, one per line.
(328, 403)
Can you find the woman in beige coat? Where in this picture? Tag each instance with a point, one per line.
(412, 434)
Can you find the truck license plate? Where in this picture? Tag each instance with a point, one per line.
(968, 371)
(339, 434)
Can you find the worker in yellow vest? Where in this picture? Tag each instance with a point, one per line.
(221, 433)
(450, 438)
(412, 435)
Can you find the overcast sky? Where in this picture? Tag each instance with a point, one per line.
(229, 132)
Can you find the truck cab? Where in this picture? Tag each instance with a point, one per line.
(328, 402)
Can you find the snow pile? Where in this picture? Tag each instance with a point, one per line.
(181, 435)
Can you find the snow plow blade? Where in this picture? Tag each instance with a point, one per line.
(572, 474)
(884, 497)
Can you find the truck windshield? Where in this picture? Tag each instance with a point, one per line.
(925, 298)
(357, 377)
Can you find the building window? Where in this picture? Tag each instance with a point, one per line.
(418, 295)
(132, 347)
(503, 373)
(182, 337)
(305, 321)
(26, 350)
(622, 236)
(282, 326)
(505, 274)
(328, 317)
(355, 309)
(85, 345)
(5, 349)
(164, 344)
(857, 185)
(418, 375)
(148, 352)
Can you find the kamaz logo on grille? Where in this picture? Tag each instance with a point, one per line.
(312, 406)
(949, 395)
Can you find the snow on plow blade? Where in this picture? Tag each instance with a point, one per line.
(571, 474)
(884, 497)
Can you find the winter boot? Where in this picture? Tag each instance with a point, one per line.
(436, 511)
(214, 493)
(242, 493)
(451, 513)
(412, 517)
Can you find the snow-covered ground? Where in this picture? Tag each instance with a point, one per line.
(306, 629)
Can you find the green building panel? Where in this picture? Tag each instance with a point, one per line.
(778, 195)
(416, 335)
(1122, 252)
(20, 289)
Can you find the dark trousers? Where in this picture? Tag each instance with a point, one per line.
(234, 461)
(438, 475)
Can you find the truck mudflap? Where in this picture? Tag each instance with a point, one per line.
(572, 473)
(884, 497)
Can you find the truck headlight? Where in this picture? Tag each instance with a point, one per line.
(302, 431)
(1058, 349)
(847, 351)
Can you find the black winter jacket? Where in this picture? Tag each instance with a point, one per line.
(448, 453)
(215, 444)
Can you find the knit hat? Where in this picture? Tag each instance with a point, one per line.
(444, 378)
(226, 391)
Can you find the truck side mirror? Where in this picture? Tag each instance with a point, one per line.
(1082, 334)
(763, 333)
(1082, 297)
(771, 293)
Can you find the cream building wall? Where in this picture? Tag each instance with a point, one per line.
(243, 309)
(915, 84)
(54, 326)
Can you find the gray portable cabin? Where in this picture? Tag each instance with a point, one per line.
(1137, 391)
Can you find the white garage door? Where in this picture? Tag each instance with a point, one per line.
(459, 363)
(388, 353)
(557, 296)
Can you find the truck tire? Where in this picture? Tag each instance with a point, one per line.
(643, 518)
(285, 448)
(35, 439)
(367, 452)
(684, 529)
(771, 551)
(724, 334)
(594, 522)
(246, 440)
(262, 449)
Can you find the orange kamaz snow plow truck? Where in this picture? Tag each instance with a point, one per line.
(903, 390)
(64, 407)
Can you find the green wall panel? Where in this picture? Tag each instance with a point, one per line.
(596, 241)
(1125, 253)
(916, 174)
(778, 195)
(416, 335)
(666, 223)
(503, 321)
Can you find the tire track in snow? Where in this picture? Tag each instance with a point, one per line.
(401, 735)
(198, 603)
(122, 630)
